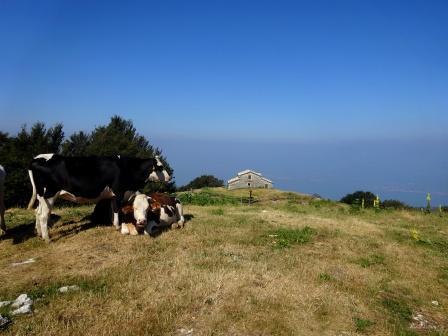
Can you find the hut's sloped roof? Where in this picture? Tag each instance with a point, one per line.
(247, 171)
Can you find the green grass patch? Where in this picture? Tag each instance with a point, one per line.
(295, 208)
(362, 325)
(217, 212)
(17, 217)
(325, 277)
(400, 315)
(284, 238)
(205, 197)
(371, 260)
(52, 289)
(443, 274)
(437, 244)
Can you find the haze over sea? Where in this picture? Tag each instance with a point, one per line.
(404, 170)
(324, 97)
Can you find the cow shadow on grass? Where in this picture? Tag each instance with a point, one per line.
(71, 228)
(22, 233)
(159, 231)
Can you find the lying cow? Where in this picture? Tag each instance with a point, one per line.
(2, 203)
(87, 179)
(147, 213)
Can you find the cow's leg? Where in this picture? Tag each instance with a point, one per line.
(44, 215)
(38, 214)
(46, 205)
(124, 229)
(115, 219)
(132, 230)
(180, 215)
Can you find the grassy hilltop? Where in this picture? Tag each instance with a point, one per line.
(285, 265)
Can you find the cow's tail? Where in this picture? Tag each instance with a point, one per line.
(33, 197)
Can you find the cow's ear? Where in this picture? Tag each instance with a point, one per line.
(127, 209)
(149, 198)
(128, 196)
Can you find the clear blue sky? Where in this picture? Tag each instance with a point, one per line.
(266, 72)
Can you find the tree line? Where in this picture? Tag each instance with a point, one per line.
(117, 137)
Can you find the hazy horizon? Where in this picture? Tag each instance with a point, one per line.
(403, 170)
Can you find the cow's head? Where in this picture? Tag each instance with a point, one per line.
(140, 207)
(158, 172)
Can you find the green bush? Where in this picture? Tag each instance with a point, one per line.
(394, 204)
(205, 197)
(203, 181)
(356, 198)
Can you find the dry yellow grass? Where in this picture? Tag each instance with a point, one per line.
(230, 272)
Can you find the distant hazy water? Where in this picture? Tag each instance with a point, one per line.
(404, 170)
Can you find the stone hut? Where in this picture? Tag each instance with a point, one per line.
(249, 179)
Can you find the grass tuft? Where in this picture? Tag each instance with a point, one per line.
(362, 325)
(287, 237)
(371, 260)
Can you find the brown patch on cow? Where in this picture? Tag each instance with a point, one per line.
(127, 209)
(154, 205)
(163, 199)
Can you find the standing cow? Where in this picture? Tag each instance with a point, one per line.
(87, 179)
(2, 200)
(156, 211)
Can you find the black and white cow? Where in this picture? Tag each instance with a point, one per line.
(2, 201)
(87, 179)
(151, 212)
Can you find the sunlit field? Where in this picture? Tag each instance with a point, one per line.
(286, 264)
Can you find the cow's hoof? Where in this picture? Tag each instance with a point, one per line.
(124, 229)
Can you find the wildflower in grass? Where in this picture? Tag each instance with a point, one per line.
(415, 234)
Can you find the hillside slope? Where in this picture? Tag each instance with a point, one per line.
(285, 265)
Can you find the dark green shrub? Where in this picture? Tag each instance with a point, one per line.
(394, 204)
(203, 181)
(357, 197)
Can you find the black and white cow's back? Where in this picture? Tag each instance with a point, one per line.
(82, 179)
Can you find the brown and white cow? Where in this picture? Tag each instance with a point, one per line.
(148, 213)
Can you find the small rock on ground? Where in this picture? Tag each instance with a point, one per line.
(66, 289)
(185, 332)
(23, 299)
(28, 261)
(25, 309)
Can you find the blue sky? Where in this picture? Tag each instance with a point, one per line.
(322, 74)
